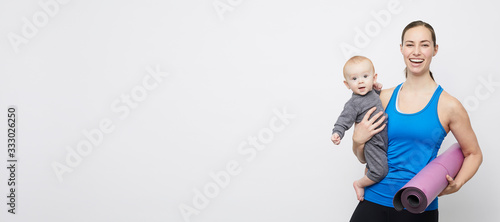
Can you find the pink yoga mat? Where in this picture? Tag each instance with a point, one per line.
(422, 189)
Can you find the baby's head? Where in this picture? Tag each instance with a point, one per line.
(359, 75)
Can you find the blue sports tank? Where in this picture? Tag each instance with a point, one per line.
(414, 140)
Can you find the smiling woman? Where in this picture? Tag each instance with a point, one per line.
(417, 50)
(420, 115)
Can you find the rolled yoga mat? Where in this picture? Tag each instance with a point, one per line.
(424, 187)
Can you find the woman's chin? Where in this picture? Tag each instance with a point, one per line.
(417, 71)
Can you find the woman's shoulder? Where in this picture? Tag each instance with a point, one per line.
(450, 110)
(449, 103)
(389, 91)
(385, 96)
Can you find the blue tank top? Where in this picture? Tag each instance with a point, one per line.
(414, 140)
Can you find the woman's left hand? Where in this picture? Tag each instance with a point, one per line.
(453, 186)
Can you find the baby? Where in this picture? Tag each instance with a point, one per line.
(360, 77)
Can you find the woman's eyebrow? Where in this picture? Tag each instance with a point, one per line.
(411, 41)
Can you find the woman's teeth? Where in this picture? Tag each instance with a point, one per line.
(416, 60)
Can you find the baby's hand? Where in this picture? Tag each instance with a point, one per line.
(377, 86)
(336, 139)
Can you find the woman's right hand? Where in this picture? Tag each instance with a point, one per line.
(364, 131)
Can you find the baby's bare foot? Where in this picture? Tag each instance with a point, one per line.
(360, 191)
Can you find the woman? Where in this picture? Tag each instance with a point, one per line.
(420, 114)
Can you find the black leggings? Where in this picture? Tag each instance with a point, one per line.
(367, 211)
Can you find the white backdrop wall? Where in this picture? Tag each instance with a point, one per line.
(219, 110)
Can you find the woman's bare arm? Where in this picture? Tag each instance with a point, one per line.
(364, 130)
(459, 125)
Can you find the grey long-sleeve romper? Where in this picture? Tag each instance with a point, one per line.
(376, 148)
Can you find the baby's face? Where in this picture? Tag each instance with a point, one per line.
(360, 77)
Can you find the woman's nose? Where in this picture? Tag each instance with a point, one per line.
(416, 51)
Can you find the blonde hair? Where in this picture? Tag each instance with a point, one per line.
(356, 60)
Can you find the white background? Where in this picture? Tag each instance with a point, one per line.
(230, 69)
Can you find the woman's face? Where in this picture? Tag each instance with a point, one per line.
(418, 49)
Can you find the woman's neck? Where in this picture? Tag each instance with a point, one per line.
(417, 83)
